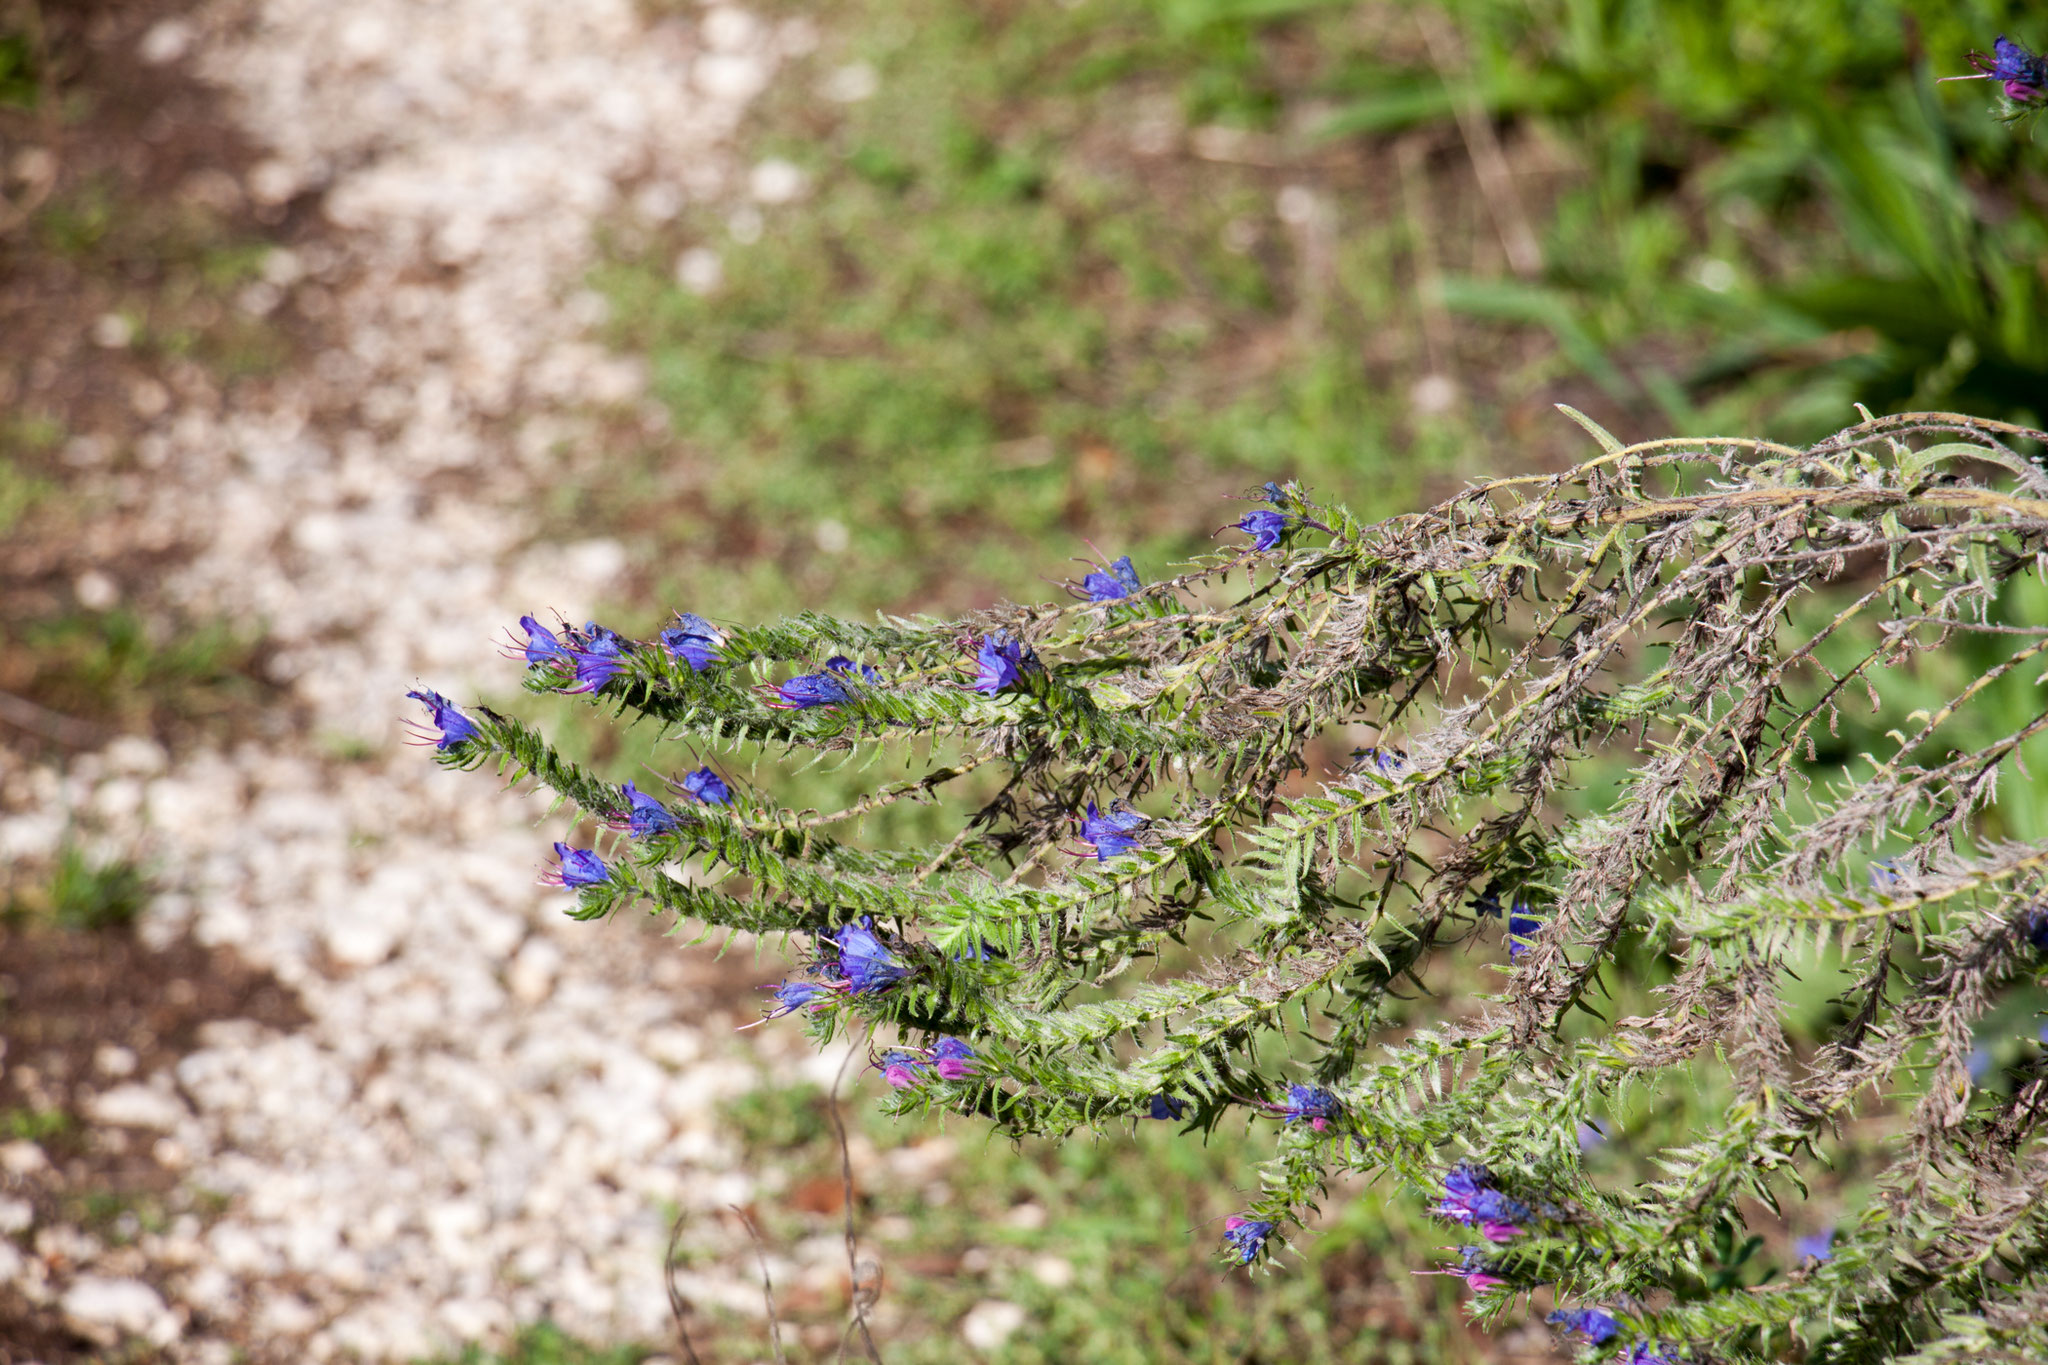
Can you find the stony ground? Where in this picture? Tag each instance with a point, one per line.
(460, 1112)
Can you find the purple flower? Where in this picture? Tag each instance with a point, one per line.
(706, 786)
(645, 816)
(1644, 1353)
(541, 645)
(455, 727)
(900, 1067)
(821, 689)
(1590, 1137)
(955, 1059)
(811, 689)
(1473, 1268)
(1590, 1323)
(1265, 528)
(1522, 922)
(597, 659)
(1978, 1063)
(1884, 874)
(1471, 1198)
(1820, 1246)
(1313, 1103)
(1246, 1236)
(1386, 762)
(694, 641)
(1112, 833)
(1002, 663)
(2034, 925)
(1120, 582)
(1272, 492)
(791, 996)
(1167, 1107)
(865, 962)
(579, 867)
(839, 663)
(2023, 73)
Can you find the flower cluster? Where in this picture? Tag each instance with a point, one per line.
(1471, 1197)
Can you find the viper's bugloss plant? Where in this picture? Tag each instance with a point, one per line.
(1621, 707)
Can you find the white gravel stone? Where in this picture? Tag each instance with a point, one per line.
(107, 1310)
(137, 1106)
(991, 1322)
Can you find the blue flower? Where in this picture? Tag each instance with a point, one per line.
(1645, 1353)
(1120, 582)
(1885, 874)
(1167, 1107)
(579, 867)
(1473, 1267)
(900, 1067)
(1978, 1063)
(2023, 73)
(839, 663)
(1002, 663)
(821, 689)
(2034, 925)
(1246, 1236)
(1311, 1103)
(541, 644)
(1112, 833)
(1471, 1198)
(1523, 922)
(1272, 492)
(455, 727)
(706, 786)
(955, 1060)
(864, 960)
(1590, 1323)
(597, 659)
(1265, 528)
(791, 996)
(645, 816)
(1386, 762)
(694, 641)
(1820, 1246)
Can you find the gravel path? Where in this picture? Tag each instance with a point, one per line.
(490, 1105)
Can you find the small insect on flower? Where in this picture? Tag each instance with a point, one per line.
(2022, 72)
(577, 867)
(706, 786)
(1111, 834)
(454, 727)
(1818, 1247)
(694, 641)
(864, 961)
(900, 1067)
(1002, 663)
(1590, 1323)
(1167, 1107)
(1471, 1197)
(1246, 1237)
(645, 816)
(954, 1060)
(1120, 582)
